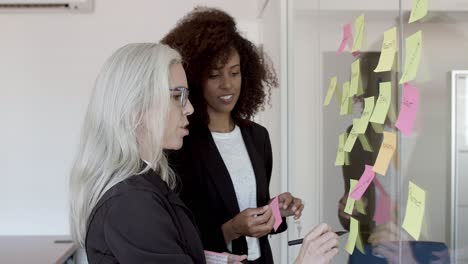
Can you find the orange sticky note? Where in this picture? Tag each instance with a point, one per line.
(385, 153)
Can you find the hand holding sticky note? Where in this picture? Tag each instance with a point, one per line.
(414, 210)
(408, 109)
(385, 153)
(276, 213)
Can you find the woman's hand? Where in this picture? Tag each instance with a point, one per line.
(290, 205)
(319, 246)
(252, 222)
(213, 257)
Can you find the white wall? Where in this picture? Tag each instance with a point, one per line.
(48, 66)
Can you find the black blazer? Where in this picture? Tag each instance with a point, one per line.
(140, 220)
(207, 188)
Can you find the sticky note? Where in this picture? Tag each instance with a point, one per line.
(347, 162)
(353, 135)
(389, 48)
(364, 182)
(331, 90)
(413, 57)
(409, 106)
(352, 237)
(365, 143)
(350, 202)
(346, 106)
(378, 128)
(347, 37)
(340, 157)
(419, 10)
(366, 115)
(215, 257)
(359, 32)
(414, 210)
(383, 103)
(276, 213)
(360, 207)
(359, 244)
(385, 153)
(355, 73)
(383, 210)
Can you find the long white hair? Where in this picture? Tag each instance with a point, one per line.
(132, 82)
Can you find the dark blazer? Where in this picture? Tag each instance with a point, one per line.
(207, 188)
(140, 220)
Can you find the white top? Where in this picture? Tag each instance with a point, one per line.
(232, 148)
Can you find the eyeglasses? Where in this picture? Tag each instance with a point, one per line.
(183, 96)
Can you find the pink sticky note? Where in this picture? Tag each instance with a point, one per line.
(363, 183)
(408, 109)
(276, 212)
(383, 209)
(347, 36)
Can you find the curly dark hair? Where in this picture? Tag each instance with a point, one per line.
(205, 38)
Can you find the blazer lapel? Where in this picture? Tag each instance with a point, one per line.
(218, 172)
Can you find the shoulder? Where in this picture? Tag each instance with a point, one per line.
(253, 128)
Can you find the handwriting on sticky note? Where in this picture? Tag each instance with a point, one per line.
(408, 109)
(340, 157)
(347, 37)
(385, 153)
(363, 184)
(413, 57)
(383, 103)
(387, 54)
(414, 210)
(366, 115)
(346, 106)
(353, 135)
(331, 91)
(419, 10)
(352, 237)
(355, 74)
(215, 258)
(276, 213)
(359, 32)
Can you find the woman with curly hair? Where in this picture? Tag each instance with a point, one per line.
(226, 162)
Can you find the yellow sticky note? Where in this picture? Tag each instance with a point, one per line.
(383, 103)
(360, 207)
(413, 57)
(353, 135)
(419, 10)
(358, 33)
(353, 234)
(350, 202)
(366, 115)
(331, 90)
(365, 143)
(346, 105)
(385, 153)
(359, 244)
(355, 73)
(414, 210)
(389, 48)
(347, 162)
(340, 157)
(378, 128)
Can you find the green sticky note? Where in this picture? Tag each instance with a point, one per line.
(359, 244)
(346, 105)
(350, 202)
(360, 207)
(355, 73)
(353, 234)
(358, 33)
(414, 210)
(353, 135)
(366, 115)
(331, 90)
(378, 128)
(365, 143)
(419, 10)
(413, 57)
(383, 103)
(347, 162)
(389, 48)
(340, 157)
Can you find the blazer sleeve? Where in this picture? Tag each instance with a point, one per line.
(138, 229)
(268, 154)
